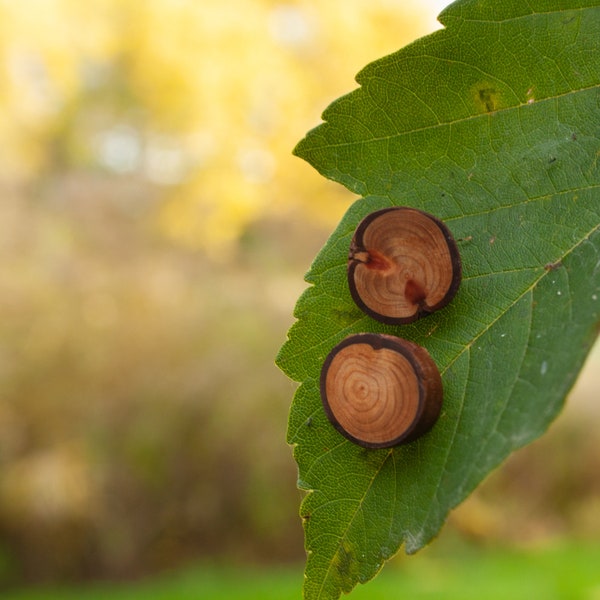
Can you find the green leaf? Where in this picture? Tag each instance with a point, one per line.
(493, 125)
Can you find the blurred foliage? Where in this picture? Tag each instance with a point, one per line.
(201, 101)
(154, 229)
(448, 570)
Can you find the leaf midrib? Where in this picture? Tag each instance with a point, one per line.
(359, 506)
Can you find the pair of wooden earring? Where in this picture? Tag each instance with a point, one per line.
(380, 390)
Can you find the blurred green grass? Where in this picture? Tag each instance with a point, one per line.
(565, 571)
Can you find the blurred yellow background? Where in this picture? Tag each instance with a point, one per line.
(154, 230)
